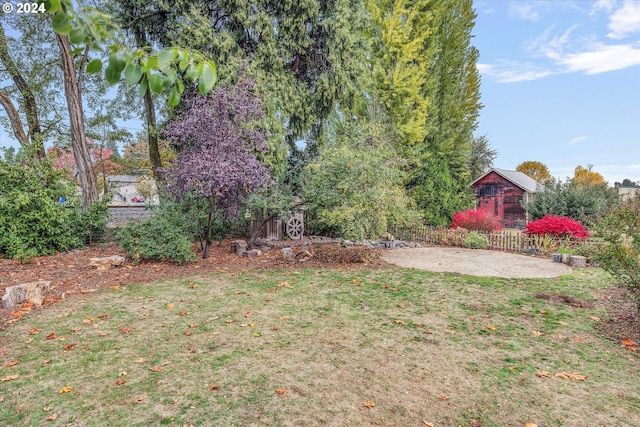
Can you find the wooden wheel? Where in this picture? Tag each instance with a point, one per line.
(295, 228)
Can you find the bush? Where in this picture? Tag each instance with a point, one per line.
(32, 220)
(557, 226)
(476, 240)
(450, 236)
(476, 220)
(620, 254)
(165, 235)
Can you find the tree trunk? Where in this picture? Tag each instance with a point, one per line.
(14, 118)
(79, 141)
(154, 147)
(31, 110)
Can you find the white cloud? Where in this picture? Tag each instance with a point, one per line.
(602, 58)
(578, 140)
(607, 5)
(625, 20)
(512, 72)
(523, 11)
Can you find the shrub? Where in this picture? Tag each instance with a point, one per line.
(476, 220)
(165, 235)
(450, 236)
(476, 240)
(557, 226)
(32, 220)
(620, 254)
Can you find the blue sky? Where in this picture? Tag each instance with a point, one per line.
(561, 84)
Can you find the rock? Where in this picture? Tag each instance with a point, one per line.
(287, 253)
(34, 292)
(577, 261)
(252, 253)
(103, 263)
(238, 247)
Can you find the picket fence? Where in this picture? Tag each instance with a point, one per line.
(512, 241)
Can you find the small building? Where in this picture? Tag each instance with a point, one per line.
(628, 193)
(503, 192)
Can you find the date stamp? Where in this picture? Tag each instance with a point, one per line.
(24, 8)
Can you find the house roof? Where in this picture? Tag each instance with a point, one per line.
(518, 178)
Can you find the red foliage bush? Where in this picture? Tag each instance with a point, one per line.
(560, 226)
(477, 220)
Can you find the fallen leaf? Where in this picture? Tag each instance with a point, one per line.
(52, 336)
(125, 330)
(536, 333)
(630, 345)
(251, 325)
(9, 364)
(543, 374)
(443, 397)
(52, 417)
(543, 312)
(228, 321)
(187, 333)
(192, 325)
(491, 328)
(283, 317)
(368, 404)
(33, 331)
(281, 391)
(120, 381)
(573, 377)
(181, 313)
(89, 320)
(76, 330)
(115, 287)
(427, 424)
(170, 306)
(1, 399)
(70, 347)
(65, 389)
(122, 374)
(139, 399)
(105, 317)
(248, 314)
(399, 322)
(594, 318)
(580, 340)
(156, 368)
(476, 423)
(9, 378)
(530, 425)
(103, 333)
(214, 387)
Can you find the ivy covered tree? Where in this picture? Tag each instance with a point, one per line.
(217, 137)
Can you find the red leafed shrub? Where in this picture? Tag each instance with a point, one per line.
(476, 220)
(560, 226)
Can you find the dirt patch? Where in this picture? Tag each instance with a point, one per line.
(563, 299)
(623, 318)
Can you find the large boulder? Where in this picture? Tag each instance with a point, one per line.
(103, 263)
(34, 292)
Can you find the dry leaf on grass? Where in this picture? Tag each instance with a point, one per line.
(630, 345)
(181, 313)
(9, 364)
(89, 321)
(70, 347)
(52, 417)
(52, 336)
(426, 424)
(491, 327)
(9, 378)
(214, 387)
(536, 333)
(530, 425)
(542, 374)
(399, 322)
(476, 423)
(281, 391)
(120, 381)
(125, 329)
(33, 331)
(170, 306)
(368, 404)
(65, 389)
(573, 376)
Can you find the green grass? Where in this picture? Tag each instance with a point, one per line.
(212, 350)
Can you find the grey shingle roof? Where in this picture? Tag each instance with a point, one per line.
(518, 178)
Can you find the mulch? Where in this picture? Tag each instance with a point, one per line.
(70, 274)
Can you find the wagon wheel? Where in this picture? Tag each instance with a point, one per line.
(295, 228)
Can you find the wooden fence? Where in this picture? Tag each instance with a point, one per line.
(503, 241)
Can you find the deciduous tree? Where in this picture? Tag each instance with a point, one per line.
(587, 177)
(536, 170)
(217, 138)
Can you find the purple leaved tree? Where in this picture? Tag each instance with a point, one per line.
(217, 137)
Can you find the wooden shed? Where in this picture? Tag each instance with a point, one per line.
(502, 192)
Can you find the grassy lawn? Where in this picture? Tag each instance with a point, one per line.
(332, 347)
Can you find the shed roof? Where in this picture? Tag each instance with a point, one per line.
(520, 179)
